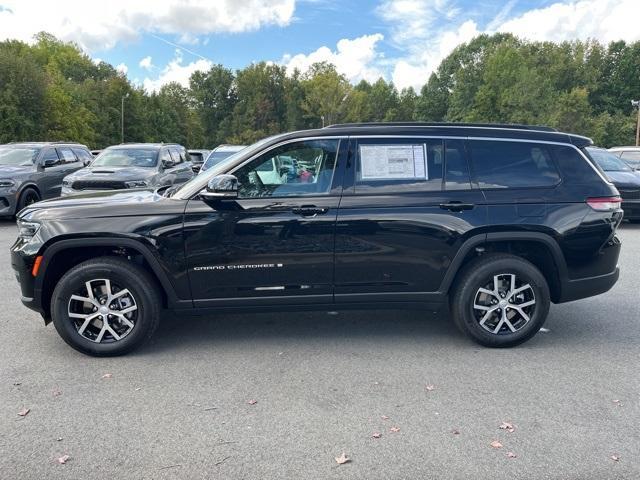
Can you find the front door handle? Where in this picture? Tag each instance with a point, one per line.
(456, 206)
(309, 210)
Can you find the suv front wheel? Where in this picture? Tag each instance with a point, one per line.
(106, 307)
(500, 300)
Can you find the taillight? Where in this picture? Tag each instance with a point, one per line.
(604, 204)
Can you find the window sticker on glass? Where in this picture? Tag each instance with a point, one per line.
(392, 161)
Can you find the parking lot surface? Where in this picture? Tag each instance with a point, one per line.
(266, 396)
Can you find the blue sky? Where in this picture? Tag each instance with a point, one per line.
(156, 41)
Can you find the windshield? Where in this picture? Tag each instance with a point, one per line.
(127, 157)
(215, 158)
(608, 161)
(197, 183)
(18, 155)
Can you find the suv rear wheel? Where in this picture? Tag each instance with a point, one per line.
(500, 300)
(106, 307)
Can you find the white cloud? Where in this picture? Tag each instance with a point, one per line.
(356, 58)
(101, 25)
(427, 31)
(145, 63)
(175, 71)
(122, 68)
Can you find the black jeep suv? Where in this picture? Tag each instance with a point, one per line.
(499, 221)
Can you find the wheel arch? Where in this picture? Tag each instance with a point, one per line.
(539, 248)
(62, 255)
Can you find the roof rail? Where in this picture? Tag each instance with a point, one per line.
(512, 126)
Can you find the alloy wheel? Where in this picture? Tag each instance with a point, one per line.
(103, 312)
(504, 305)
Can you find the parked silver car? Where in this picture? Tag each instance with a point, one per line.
(631, 155)
(140, 165)
(33, 171)
(220, 153)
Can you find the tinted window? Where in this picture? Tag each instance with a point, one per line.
(573, 166)
(50, 154)
(215, 158)
(83, 155)
(498, 164)
(457, 167)
(300, 168)
(67, 155)
(387, 165)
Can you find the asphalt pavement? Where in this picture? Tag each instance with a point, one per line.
(267, 396)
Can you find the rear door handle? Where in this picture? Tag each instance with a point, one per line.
(309, 210)
(456, 206)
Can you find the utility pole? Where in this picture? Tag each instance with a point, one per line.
(122, 118)
(636, 104)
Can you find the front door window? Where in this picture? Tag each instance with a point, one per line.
(295, 169)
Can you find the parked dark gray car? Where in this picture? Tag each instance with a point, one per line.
(140, 165)
(33, 171)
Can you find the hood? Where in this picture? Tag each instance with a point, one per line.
(103, 204)
(12, 171)
(625, 179)
(112, 173)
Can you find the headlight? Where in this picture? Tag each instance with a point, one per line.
(27, 230)
(137, 184)
(6, 182)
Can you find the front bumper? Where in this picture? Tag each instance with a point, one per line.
(22, 265)
(8, 202)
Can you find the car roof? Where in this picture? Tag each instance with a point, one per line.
(144, 145)
(229, 148)
(43, 144)
(409, 129)
(624, 149)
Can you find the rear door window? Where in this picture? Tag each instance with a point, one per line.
(510, 164)
(402, 165)
(67, 155)
(84, 155)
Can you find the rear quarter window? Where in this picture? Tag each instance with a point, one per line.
(574, 167)
(508, 164)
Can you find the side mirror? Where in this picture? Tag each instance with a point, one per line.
(168, 164)
(221, 187)
(50, 162)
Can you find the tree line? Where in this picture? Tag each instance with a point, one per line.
(51, 90)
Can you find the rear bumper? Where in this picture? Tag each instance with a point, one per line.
(588, 287)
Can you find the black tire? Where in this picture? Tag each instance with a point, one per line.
(480, 273)
(27, 197)
(122, 274)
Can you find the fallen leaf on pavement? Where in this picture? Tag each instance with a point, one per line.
(394, 429)
(615, 458)
(376, 435)
(509, 427)
(107, 375)
(430, 388)
(496, 444)
(511, 455)
(24, 412)
(59, 439)
(384, 417)
(342, 459)
(545, 330)
(252, 402)
(617, 402)
(63, 459)
(455, 432)
(56, 393)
